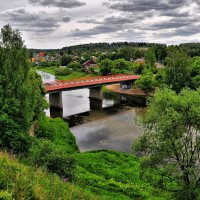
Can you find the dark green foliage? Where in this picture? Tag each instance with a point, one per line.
(54, 153)
(150, 57)
(160, 52)
(192, 49)
(21, 93)
(65, 60)
(130, 53)
(47, 154)
(171, 140)
(195, 73)
(177, 70)
(105, 67)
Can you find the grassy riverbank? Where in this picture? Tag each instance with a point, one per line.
(73, 75)
(93, 175)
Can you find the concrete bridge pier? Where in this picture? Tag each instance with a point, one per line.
(96, 98)
(55, 100)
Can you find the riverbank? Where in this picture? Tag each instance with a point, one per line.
(133, 92)
(96, 175)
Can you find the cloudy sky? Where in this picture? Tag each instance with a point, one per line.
(59, 23)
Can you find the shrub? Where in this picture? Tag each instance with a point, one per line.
(58, 132)
(63, 71)
(46, 154)
(75, 66)
(44, 129)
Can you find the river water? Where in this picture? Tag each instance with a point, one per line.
(115, 127)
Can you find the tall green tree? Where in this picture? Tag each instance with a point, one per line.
(195, 73)
(21, 92)
(177, 70)
(150, 57)
(171, 142)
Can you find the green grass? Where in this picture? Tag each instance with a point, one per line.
(73, 75)
(104, 175)
(115, 176)
(18, 181)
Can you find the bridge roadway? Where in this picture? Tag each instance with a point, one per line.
(88, 82)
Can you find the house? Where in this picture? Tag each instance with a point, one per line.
(41, 56)
(89, 64)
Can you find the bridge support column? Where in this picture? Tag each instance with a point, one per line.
(55, 100)
(96, 98)
(126, 85)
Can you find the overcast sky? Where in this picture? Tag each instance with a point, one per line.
(59, 23)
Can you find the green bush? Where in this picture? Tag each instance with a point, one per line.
(63, 71)
(44, 129)
(146, 82)
(45, 154)
(58, 132)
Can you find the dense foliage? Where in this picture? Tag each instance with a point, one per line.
(172, 140)
(21, 93)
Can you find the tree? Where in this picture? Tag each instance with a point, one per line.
(160, 52)
(195, 73)
(65, 60)
(129, 53)
(106, 66)
(147, 81)
(120, 66)
(177, 70)
(171, 142)
(150, 57)
(21, 92)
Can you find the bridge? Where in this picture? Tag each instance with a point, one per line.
(55, 89)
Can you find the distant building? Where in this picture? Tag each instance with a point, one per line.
(89, 64)
(41, 56)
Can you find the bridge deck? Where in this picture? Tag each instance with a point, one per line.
(86, 82)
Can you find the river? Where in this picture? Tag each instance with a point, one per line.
(115, 127)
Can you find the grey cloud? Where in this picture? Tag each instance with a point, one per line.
(145, 5)
(108, 25)
(66, 19)
(89, 21)
(35, 22)
(59, 3)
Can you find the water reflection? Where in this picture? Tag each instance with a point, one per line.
(75, 102)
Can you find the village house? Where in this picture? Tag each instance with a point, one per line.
(89, 64)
